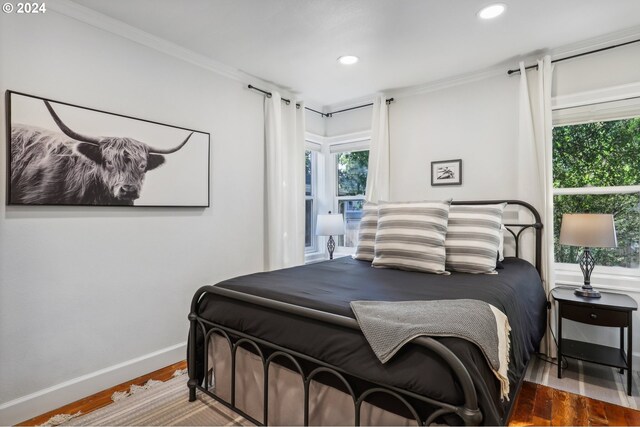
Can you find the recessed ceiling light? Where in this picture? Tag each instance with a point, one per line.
(348, 59)
(492, 11)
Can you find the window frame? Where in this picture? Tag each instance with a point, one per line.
(562, 116)
(338, 199)
(325, 148)
(314, 150)
(336, 151)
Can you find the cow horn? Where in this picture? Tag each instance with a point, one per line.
(71, 134)
(169, 150)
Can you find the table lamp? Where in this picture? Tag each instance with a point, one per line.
(588, 231)
(330, 225)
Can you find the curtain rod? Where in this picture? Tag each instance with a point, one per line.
(517, 70)
(287, 101)
(388, 101)
(268, 95)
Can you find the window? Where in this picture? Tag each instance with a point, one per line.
(351, 181)
(596, 169)
(310, 162)
(336, 178)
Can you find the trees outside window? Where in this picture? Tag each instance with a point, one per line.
(596, 169)
(351, 182)
(337, 185)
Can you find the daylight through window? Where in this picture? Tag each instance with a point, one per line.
(310, 162)
(596, 169)
(351, 181)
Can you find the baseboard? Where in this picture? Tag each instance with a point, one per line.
(48, 399)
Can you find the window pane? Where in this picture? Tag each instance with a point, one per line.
(626, 211)
(598, 154)
(351, 210)
(308, 221)
(308, 171)
(352, 172)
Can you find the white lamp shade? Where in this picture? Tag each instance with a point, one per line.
(588, 230)
(330, 225)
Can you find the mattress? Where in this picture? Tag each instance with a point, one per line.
(330, 286)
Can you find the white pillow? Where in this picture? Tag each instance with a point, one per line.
(367, 232)
(411, 236)
(473, 237)
(503, 229)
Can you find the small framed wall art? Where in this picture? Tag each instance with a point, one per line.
(446, 172)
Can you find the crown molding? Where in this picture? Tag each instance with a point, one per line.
(119, 28)
(605, 40)
(447, 82)
(349, 103)
(98, 20)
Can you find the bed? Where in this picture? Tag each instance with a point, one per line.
(283, 347)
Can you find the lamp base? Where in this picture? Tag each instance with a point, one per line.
(587, 262)
(587, 292)
(331, 245)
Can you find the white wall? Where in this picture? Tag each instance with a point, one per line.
(314, 122)
(86, 288)
(476, 122)
(348, 122)
(615, 67)
(473, 122)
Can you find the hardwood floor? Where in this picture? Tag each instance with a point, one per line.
(535, 405)
(544, 406)
(103, 398)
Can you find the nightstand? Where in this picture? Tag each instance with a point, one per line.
(612, 310)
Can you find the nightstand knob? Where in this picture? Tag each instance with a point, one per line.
(594, 316)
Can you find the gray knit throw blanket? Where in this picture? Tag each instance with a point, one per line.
(388, 326)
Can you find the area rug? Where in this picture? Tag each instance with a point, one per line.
(158, 404)
(166, 403)
(586, 379)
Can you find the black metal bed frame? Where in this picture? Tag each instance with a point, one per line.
(468, 412)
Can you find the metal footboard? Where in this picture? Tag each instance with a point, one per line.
(468, 412)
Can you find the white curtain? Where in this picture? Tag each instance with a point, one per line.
(535, 163)
(284, 192)
(378, 170)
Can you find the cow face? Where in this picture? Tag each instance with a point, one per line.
(122, 163)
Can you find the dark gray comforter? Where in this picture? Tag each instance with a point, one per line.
(330, 286)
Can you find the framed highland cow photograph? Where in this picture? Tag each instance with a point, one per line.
(65, 154)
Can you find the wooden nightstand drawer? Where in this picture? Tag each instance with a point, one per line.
(613, 310)
(595, 316)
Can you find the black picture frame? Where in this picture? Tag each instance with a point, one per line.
(193, 145)
(453, 168)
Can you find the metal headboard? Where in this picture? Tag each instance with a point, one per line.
(520, 228)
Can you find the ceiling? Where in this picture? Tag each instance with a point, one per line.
(295, 43)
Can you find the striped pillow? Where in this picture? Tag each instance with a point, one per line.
(473, 237)
(367, 232)
(411, 236)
